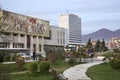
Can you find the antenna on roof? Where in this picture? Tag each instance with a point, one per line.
(0, 7)
(67, 11)
(1, 13)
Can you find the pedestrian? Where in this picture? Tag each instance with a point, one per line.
(34, 53)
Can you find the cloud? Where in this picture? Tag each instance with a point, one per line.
(95, 14)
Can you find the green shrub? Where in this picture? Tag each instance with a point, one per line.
(117, 56)
(44, 67)
(108, 55)
(14, 57)
(1, 57)
(33, 67)
(7, 58)
(116, 50)
(71, 61)
(115, 63)
(4, 72)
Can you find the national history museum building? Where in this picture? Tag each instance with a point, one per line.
(24, 32)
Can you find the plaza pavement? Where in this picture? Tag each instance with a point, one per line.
(78, 72)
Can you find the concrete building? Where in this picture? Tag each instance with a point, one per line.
(24, 32)
(114, 43)
(72, 24)
(56, 40)
(94, 42)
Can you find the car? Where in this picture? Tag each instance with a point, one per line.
(25, 56)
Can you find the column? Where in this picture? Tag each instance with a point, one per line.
(19, 37)
(31, 43)
(25, 41)
(37, 44)
(42, 47)
(11, 42)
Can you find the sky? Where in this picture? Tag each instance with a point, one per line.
(94, 14)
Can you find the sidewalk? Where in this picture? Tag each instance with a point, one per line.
(78, 72)
(19, 72)
(15, 62)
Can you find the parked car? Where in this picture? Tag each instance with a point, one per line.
(25, 56)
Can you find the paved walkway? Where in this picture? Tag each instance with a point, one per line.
(78, 72)
(19, 72)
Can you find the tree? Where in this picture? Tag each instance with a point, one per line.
(98, 46)
(89, 44)
(104, 48)
(80, 53)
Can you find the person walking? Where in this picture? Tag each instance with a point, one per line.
(34, 53)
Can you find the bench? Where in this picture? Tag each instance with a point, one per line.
(58, 76)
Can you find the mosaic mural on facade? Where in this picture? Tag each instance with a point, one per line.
(13, 22)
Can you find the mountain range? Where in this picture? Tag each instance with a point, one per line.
(103, 33)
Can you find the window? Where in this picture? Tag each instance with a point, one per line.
(57, 33)
(58, 40)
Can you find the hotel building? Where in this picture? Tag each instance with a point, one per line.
(72, 25)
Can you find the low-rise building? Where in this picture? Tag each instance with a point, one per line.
(20, 31)
(114, 43)
(56, 41)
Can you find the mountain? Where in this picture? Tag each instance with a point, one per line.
(117, 33)
(101, 34)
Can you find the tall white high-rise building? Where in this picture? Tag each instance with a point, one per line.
(72, 24)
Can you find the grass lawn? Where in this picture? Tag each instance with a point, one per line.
(28, 76)
(60, 66)
(103, 72)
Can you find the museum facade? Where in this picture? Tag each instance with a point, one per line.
(20, 31)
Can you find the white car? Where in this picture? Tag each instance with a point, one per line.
(25, 56)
